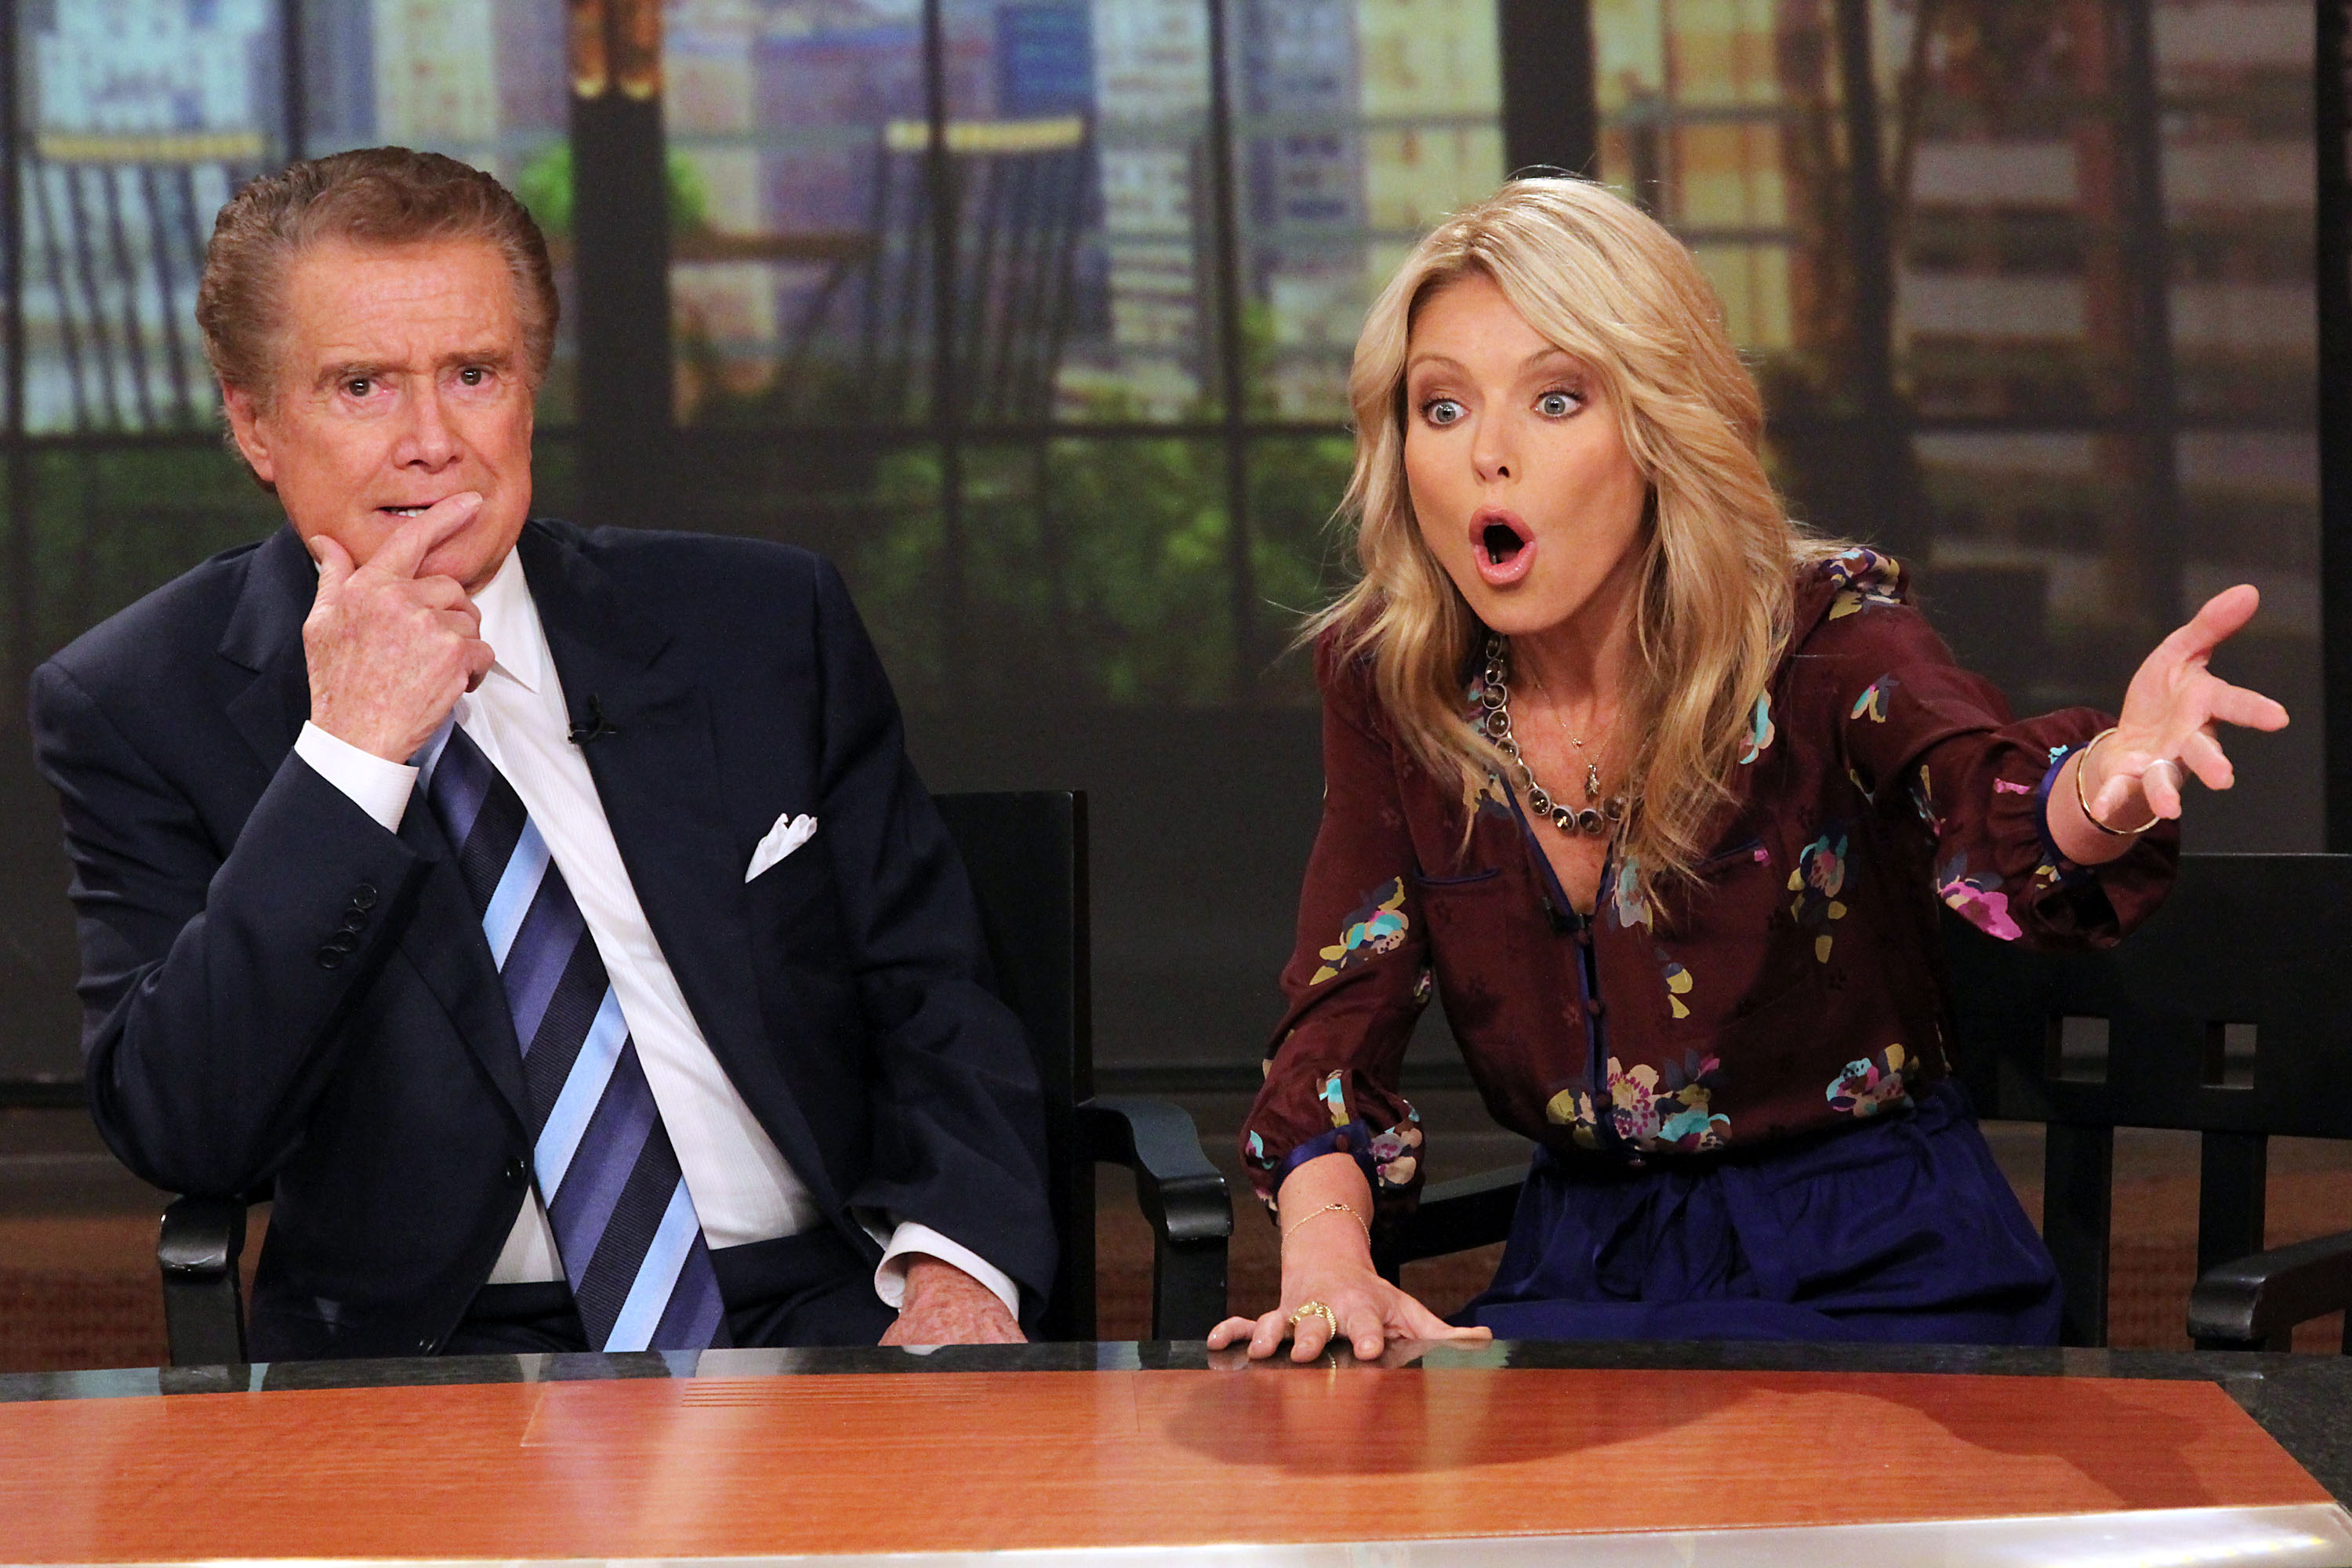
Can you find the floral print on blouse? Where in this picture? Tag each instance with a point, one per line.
(1797, 987)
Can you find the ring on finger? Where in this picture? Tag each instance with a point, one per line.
(1317, 1309)
(2170, 767)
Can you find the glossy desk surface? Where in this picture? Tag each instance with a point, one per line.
(1150, 1454)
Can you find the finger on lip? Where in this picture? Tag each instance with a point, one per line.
(460, 503)
(445, 518)
(417, 537)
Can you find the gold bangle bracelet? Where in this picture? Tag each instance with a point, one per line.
(1317, 1213)
(2082, 759)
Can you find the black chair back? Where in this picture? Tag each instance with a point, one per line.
(1026, 855)
(2229, 1014)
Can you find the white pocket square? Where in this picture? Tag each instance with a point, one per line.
(789, 834)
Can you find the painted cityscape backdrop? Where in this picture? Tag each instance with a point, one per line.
(2055, 342)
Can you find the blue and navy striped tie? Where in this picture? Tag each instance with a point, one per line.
(624, 1223)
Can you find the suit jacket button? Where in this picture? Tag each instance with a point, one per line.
(355, 919)
(364, 896)
(342, 942)
(515, 1173)
(330, 958)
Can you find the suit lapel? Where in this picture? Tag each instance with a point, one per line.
(657, 774)
(265, 635)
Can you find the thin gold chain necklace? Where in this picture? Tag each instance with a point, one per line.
(1592, 768)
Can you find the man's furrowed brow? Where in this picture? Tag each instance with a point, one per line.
(489, 358)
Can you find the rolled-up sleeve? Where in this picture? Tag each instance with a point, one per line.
(1359, 974)
(1980, 781)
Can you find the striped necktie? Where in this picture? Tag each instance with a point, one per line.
(624, 1223)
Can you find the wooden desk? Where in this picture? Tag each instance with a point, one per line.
(1665, 1465)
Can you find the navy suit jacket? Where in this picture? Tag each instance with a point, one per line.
(235, 1043)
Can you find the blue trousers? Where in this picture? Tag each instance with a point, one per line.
(1900, 1227)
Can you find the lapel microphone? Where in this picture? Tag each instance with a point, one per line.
(596, 727)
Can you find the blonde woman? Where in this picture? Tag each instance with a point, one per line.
(1660, 795)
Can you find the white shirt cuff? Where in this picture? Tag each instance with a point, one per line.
(910, 1238)
(377, 788)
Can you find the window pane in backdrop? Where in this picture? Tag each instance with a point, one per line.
(806, 281)
(799, 238)
(137, 135)
(484, 81)
(2102, 406)
(1359, 124)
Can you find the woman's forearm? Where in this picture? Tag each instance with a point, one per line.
(1326, 1210)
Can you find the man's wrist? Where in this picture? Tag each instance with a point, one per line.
(358, 737)
(929, 1278)
(376, 786)
(910, 1241)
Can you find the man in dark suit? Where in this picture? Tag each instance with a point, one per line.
(549, 920)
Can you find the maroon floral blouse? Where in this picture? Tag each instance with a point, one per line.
(1797, 987)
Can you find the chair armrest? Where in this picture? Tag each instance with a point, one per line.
(1453, 1216)
(1183, 1196)
(2254, 1303)
(197, 1252)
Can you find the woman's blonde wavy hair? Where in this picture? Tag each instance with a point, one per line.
(1599, 278)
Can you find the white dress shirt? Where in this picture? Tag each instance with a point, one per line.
(743, 1187)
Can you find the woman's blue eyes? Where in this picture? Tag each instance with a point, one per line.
(1443, 411)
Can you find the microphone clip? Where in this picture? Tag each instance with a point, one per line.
(596, 727)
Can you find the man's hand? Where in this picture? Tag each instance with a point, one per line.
(945, 1306)
(390, 652)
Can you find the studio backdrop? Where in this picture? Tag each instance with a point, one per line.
(1036, 316)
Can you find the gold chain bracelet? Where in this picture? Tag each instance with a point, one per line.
(1319, 1213)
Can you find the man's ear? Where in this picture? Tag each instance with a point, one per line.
(246, 424)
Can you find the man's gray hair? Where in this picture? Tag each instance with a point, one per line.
(373, 196)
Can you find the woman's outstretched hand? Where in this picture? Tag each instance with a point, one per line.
(2164, 732)
(1327, 1259)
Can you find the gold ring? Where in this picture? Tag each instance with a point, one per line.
(1317, 1309)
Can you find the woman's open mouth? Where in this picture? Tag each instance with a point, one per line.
(1502, 545)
